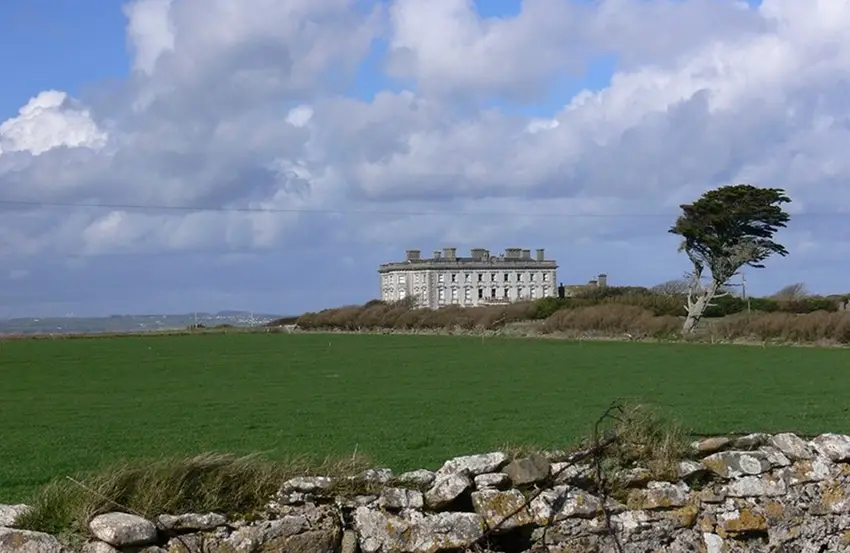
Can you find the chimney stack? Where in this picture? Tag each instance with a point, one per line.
(477, 253)
(541, 254)
(449, 253)
(436, 254)
(602, 280)
(526, 254)
(412, 255)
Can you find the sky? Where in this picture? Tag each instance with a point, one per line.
(267, 155)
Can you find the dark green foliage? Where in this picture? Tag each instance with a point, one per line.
(543, 308)
(808, 305)
(604, 292)
(283, 321)
(730, 227)
(638, 296)
(730, 305)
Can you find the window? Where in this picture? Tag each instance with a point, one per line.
(533, 293)
(467, 277)
(481, 293)
(454, 277)
(531, 277)
(480, 277)
(545, 277)
(507, 292)
(545, 291)
(402, 279)
(402, 293)
(441, 295)
(505, 277)
(492, 277)
(441, 278)
(493, 293)
(454, 295)
(520, 294)
(467, 295)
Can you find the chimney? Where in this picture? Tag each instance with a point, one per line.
(477, 253)
(541, 254)
(412, 255)
(592, 283)
(513, 253)
(526, 254)
(436, 254)
(602, 280)
(449, 253)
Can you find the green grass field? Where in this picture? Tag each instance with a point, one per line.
(405, 401)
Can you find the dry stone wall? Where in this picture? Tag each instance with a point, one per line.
(758, 493)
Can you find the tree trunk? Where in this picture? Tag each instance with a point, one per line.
(697, 308)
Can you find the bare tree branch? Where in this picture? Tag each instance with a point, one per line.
(792, 292)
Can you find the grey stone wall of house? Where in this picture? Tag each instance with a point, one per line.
(478, 279)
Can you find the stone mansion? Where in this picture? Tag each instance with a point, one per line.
(480, 279)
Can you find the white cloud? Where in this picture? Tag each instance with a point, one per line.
(447, 47)
(237, 104)
(299, 116)
(48, 121)
(149, 31)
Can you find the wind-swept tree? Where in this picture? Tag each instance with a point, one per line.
(724, 230)
(675, 287)
(792, 292)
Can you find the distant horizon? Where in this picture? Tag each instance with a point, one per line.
(116, 315)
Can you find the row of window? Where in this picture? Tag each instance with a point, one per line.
(419, 278)
(494, 294)
(467, 277)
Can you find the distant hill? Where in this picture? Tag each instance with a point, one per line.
(130, 323)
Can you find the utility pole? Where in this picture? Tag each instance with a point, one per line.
(743, 286)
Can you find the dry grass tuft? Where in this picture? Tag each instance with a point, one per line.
(210, 482)
(649, 440)
(817, 327)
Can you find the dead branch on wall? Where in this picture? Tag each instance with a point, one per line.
(596, 453)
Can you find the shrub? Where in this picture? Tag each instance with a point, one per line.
(604, 292)
(613, 319)
(544, 307)
(627, 311)
(787, 327)
(808, 305)
(724, 306)
(283, 321)
(656, 304)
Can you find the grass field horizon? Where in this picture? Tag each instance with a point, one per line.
(404, 401)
